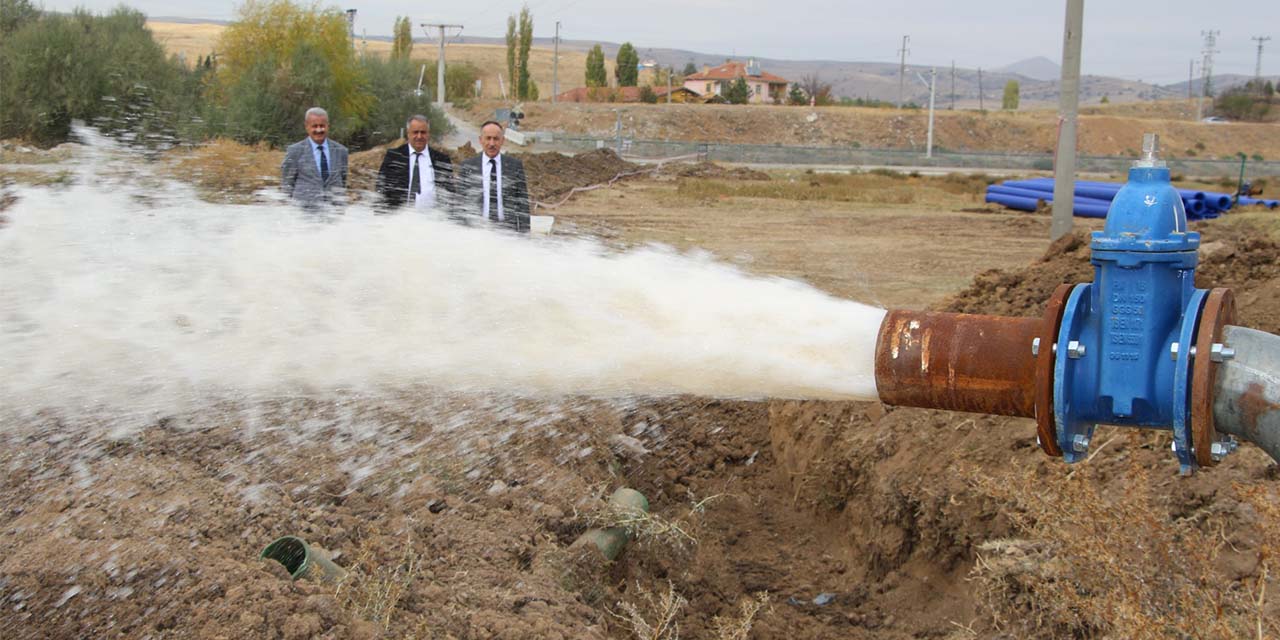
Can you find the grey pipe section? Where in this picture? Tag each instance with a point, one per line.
(1246, 400)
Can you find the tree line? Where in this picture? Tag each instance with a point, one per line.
(276, 60)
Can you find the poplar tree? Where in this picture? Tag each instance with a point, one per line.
(403, 43)
(596, 74)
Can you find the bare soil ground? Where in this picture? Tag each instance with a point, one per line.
(456, 517)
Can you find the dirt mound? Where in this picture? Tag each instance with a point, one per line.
(555, 174)
(1239, 255)
(712, 170)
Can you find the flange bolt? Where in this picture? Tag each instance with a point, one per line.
(1221, 353)
(1080, 443)
(1075, 350)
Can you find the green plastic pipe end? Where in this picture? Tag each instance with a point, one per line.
(302, 560)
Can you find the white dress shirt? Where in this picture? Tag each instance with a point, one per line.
(484, 170)
(426, 199)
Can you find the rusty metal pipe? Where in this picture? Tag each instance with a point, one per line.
(1246, 398)
(958, 362)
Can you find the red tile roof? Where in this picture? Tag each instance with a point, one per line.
(734, 70)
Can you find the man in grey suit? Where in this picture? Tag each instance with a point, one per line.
(492, 185)
(314, 171)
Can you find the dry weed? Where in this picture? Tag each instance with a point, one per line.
(1103, 558)
(739, 627)
(227, 171)
(651, 529)
(1267, 505)
(374, 593)
(654, 618)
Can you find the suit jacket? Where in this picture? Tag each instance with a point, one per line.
(300, 178)
(514, 186)
(393, 177)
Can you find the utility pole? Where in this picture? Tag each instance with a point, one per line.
(555, 67)
(1257, 70)
(670, 72)
(1206, 69)
(981, 107)
(953, 85)
(902, 68)
(351, 26)
(1064, 166)
(931, 85)
(1191, 74)
(440, 62)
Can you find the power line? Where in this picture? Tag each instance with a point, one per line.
(440, 63)
(1206, 69)
(1257, 70)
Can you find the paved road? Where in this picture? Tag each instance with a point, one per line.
(463, 133)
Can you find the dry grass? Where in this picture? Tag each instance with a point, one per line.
(374, 593)
(654, 618)
(739, 627)
(35, 177)
(1104, 559)
(874, 187)
(227, 171)
(195, 40)
(651, 529)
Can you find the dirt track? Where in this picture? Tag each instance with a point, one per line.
(466, 532)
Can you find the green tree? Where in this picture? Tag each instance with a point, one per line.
(15, 13)
(796, 96)
(647, 95)
(1242, 103)
(403, 44)
(596, 74)
(522, 61)
(393, 84)
(738, 92)
(294, 57)
(626, 63)
(106, 70)
(690, 68)
(1010, 100)
(512, 44)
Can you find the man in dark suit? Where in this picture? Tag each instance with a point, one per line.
(314, 171)
(415, 174)
(493, 185)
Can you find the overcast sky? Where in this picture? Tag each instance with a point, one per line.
(1150, 40)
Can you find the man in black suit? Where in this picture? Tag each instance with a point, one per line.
(414, 174)
(492, 185)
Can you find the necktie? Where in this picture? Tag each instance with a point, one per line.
(324, 164)
(493, 188)
(415, 186)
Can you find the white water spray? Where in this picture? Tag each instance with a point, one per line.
(120, 300)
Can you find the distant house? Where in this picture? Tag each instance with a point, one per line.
(626, 94)
(764, 86)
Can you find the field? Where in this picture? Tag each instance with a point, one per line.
(194, 40)
(770, 518)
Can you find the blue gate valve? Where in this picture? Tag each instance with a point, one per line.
(1124, 349)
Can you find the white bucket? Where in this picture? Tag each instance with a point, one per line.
(541, 225)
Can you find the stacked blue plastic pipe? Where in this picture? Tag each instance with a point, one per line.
(1093, 199)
